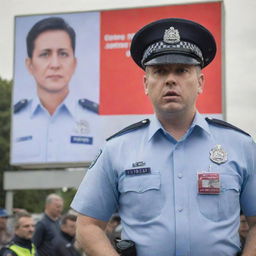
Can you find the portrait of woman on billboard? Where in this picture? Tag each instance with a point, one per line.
(55, 119)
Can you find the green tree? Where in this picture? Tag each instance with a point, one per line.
(5, 116)
(34, 200)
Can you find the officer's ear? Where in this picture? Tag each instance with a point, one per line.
(29, 65)
(200, 82)
(145, 82)
(75, 65)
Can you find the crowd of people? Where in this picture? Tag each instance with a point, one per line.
(52, 235)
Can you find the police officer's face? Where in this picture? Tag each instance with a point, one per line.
(25, 228)
(53, 62)
(173, 88)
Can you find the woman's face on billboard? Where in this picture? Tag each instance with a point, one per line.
(53, 62)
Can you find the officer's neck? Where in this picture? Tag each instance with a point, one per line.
(177, 124)
(51, 100)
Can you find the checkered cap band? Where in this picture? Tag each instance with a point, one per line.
(182, 45)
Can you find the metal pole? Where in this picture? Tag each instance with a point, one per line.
(9, 201)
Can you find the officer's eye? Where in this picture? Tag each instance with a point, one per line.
(181, 70)
(160, 71)
(63, 54)
(44, 54)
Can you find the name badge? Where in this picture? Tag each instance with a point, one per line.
(24, 138)
(209, 183)
(81, 140)
(138, 171)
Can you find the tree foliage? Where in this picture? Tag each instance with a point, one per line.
(34, 200)
(5, 116)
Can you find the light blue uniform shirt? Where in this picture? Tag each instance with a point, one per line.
(69, 135)
(161, 211)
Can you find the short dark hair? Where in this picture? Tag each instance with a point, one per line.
(67, 217)
(52, 23)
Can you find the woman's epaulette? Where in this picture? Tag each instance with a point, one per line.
(20, 105)
(89, 105)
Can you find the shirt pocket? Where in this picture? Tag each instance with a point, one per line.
(221, 206)
(25, 151)
(140, 196)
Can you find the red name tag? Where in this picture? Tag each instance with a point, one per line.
(209, 183)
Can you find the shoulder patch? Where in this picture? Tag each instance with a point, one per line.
(89, 105)
(131, 127)
(20, 105)
(225, 124)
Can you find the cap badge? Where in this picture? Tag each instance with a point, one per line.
(171, 36)
(218, 155)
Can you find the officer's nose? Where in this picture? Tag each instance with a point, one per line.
(55, 61)
(171, 78)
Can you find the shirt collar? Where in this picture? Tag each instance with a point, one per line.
(154, 127)
(35, 105)
(68, 104)
(198, 121)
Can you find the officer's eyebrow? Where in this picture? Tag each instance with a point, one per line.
(50, 49)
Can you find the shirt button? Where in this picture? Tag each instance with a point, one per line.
(180, 175)
(180, 209)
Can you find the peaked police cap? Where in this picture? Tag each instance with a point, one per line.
(173, 40)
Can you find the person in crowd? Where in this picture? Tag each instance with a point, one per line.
(159, 173)
(64, 245)
(21, 244)
(48, 229)
(55, 115)
(5, 234)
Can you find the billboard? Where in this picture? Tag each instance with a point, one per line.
(69, 96)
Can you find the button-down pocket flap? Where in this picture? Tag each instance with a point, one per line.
(139, 183)
(229, 182)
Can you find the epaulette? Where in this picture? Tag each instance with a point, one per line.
(90, 105)
(225, 124)
(131, 127)
(20, 105)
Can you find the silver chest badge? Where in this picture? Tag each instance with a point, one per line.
(218, 155)
(82, 127)
(171, 36)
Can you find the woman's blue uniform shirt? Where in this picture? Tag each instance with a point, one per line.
(161, 210)
(69, 135)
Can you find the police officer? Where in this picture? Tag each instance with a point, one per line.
(178, 180)
(21, 244)
(55, 115)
